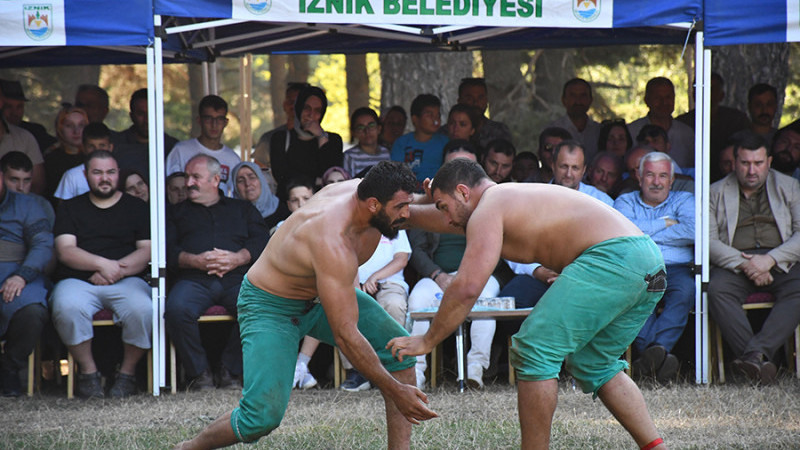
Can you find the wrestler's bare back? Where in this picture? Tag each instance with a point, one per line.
(546, 223)
(286, 266)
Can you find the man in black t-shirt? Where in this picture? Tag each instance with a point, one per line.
(103, 247)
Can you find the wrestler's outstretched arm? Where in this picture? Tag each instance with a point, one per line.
(336, 265)
(484, 244)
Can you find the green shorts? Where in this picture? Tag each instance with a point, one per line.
(590, 314)
(271, 328)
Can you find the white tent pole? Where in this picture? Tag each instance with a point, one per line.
(241, 37)
(153, 223)
(204, 72)
(704, 218)
(203, 25)
(699, 353)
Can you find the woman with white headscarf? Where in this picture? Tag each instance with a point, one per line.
(250, 184)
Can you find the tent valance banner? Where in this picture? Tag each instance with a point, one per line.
(32, 23)
(517, 13)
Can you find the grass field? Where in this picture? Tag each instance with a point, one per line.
(732, 416)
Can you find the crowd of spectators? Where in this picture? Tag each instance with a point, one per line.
(76, 236)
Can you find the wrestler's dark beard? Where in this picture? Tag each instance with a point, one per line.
(382, 222)
(782, 162)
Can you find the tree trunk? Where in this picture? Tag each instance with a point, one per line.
(510, 95)
(406, 75)
(357, 82)
(277, 87)
(196, 93)
(298, 68)
(742, 66)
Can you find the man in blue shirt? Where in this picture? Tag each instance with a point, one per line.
(422, 149)
(668, 217)
(569, 167)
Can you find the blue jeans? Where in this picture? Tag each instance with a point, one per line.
(666, 328)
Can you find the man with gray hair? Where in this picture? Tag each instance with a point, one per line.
(211, 242)
(668, 218)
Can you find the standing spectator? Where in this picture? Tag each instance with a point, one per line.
(659, 96)
(211, 242)
(393, 125)
(132, 146)
(614, 137)
(95, 136)
(462, 122)
(762, 104)
(668, 218)
(12, 99)
(213, 118)
(473, 92)
(103, 248)
(261, 154)
(577, 99)
(422, 148)
(250, 185)
(365, 127)
(306, 150)
(26, 240)
(14, 138)
(68, 153)
(94, 100)
(755, 246)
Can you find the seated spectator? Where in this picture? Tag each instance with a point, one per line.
(94, 100)
(754, 248)
(436, 257)
(473, 92)
(306, 150)
(659, 97)
(68, 152)
(12, 103)
(26, 240)
(525, 168)
(762, 104)
(211, 242)
(103, 248)
(422, 148)
(569, 168)
(382, 278)
(393, 125)
(17, 171)
(462, 121)
(251, 185)
(655, 137)
(95, 136)
(631, 183)
(548, 140)
(334, 174)
(131, 146)
(212, 118)
(365, 127)
(132, 183)
(726, 161)
(786, 152)
(577, 99)
(614, 137)
(605, 173)
(176, 187)
(498, 160)
(668, 218)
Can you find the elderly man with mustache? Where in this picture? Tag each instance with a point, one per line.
(668, 217)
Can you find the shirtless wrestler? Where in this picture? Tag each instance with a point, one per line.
(315, 255)
(611, 277)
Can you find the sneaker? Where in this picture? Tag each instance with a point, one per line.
(125, 386)
(307, 382)
(300, 372)
(475, 376)
(420, 379)
(202, 382)
(227, 381)
(89, 385)
(355, 382)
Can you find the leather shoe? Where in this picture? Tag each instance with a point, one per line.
(227, 381)
(202, 382)
(650, 361)
(756, 368)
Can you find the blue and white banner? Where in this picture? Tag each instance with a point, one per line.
(32, 22)
(517, 13)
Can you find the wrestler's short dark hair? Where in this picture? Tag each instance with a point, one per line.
(17, 161)
(385, 179)
(458, 171)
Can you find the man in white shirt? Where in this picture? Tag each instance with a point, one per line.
(213, 118)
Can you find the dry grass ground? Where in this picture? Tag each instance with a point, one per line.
(732, 416)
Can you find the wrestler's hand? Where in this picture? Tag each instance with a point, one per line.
(408, 345)
(12, 288)
(411, 402)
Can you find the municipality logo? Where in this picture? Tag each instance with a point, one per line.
(38, 21)
(586, 10)
(258, 7)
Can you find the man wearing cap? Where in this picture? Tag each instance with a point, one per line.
(14, 110)
(13, 137)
